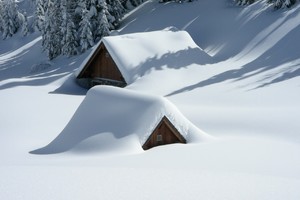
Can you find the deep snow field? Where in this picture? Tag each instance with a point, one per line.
(246, 100)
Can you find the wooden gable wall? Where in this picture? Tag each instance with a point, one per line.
(164, 133)
(101, 66)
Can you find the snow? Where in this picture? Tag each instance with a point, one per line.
(247, 98)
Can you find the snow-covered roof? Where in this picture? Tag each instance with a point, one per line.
(122, 113)
(137, 53)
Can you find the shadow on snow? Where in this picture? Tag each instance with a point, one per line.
(283, 50)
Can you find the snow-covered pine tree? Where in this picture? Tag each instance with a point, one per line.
(39, 15)
(73, 4)
(276, 3)
(289, 3)
(24, 21)
(57, 18)
(284, 3)
(63, 26)
(85, 31)
(93, 16)
(1, 18)
(244, 2)
(70, 44)
(103, 29)
(116, 9)
(136, 3)
(141, 1)
(110, 18)
(95, 8)
(68, 30)
(67, 23)
(76, 11)
(47, 37)
(10, 18)
(52, 34)
(80, 6)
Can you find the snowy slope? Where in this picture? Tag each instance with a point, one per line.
(248, 99)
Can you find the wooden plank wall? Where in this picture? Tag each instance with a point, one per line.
(105, 67)
(102, 65)
(168, 132)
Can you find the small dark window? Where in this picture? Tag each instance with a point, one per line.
(107, 55)
(159, 138)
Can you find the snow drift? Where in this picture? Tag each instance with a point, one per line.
(120, 113)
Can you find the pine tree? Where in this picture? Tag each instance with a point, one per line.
(66, 24)
(68, 30)
(52, 34)
(85, 31)
(1, 16)
(93, 16)
(282, 3)
(116, 9)
(80, 7)
(244, 2)
(103, 29)
(289, 3)
(110, 18)
(136, 3)
(47, 36)
(24, 20)
(278, 4)
(39, 15)
(10, 20)
(57, 18)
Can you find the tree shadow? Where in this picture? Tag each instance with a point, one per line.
(291, 73)
(284, 50)
(166, 15)
(16, 61)
(173, 60)
(20, 66)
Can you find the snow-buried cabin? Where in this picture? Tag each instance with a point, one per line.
(122, 117)
(121, 59)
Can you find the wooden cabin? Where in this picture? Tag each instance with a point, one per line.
(101, 69)
(164, 133)
(120, 60)
(122, 116)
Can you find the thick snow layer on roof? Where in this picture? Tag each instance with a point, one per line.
(122, 113)
(137, 53)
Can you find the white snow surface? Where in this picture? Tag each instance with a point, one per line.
(247, 98)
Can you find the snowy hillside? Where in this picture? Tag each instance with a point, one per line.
(247, 98)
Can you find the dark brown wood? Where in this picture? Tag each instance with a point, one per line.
(164, 133)
(101, 65)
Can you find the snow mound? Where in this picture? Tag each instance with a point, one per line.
(120, 113)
